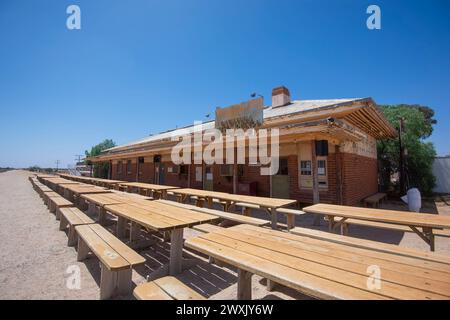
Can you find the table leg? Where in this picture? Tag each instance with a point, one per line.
(244, 285)
(330, 223)
(135, 230)
(121, 227)
(102, 216)
(273, 213)
(176, 251)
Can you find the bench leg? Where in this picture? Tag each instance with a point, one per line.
(290, 221)
(244, 286)
(58, 213)
(121, 227)
(62, 223)
(107, 283)
(72, 236)
(52, 206)
(124, 282)
(270, 285)
(176, 251)
(83, 250)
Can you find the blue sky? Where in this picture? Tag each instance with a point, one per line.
(143, 66)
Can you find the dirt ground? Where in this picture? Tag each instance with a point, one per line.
(36, 263)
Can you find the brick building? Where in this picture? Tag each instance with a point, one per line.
(327, 153)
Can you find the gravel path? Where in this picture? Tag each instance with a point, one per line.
(34, 256)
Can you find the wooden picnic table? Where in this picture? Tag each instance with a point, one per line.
(324, 269)
(159, 217)
(73, 191)
(96, 181)
(427, 222)
(102, 199)
(269, 204)
(155, 190)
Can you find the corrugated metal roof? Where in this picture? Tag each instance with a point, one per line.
(296, 106)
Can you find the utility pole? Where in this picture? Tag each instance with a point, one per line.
(78, 157)
(401, 159)
(57, 164)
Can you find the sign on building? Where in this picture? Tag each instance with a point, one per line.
(244, 115)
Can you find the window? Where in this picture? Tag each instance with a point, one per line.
(305, 167)
(119, 167)
(129, 167)
(283, 167)
(322, 167)
(184, 169)
(141, 159)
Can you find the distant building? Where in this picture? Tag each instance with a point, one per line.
(342, 132)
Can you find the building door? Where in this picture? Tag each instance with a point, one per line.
(159, 170)
(280, 181)
(208, 178)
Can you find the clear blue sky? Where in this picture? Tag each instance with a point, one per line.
(139, 67)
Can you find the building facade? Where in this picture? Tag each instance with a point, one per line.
(327, 153)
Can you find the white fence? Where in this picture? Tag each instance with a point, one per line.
(441, 170)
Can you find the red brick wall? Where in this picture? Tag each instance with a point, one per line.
(305, 195)
(252, 174)
(359, 176)
(147, 172)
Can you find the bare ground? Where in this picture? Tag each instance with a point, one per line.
(35, 260)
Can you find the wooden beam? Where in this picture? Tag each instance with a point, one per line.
(316, 197)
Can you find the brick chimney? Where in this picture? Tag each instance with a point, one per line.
(280, 96)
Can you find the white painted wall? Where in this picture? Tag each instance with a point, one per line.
(441, 170)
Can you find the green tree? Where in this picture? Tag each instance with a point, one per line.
(100, 170)
(418, 125)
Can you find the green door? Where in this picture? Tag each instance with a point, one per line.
(208, 178)
(280, 181)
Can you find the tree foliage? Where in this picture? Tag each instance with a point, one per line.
(418, 125)
(100, 170)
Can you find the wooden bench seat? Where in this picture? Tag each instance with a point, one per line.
(71, 217)
(57, 202)
(290, 214)
(370, 244)
(207, 227)
(48, 195)
(222, 214)
(375, 199)
(166, 288)
(115, 257)
(387, 226)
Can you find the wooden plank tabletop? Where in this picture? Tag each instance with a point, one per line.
(59, 181)
(103, 199)
(147, 186)
(265, 202)
(85, 189)
(382, 215)
(158, 216)
(324, 269)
